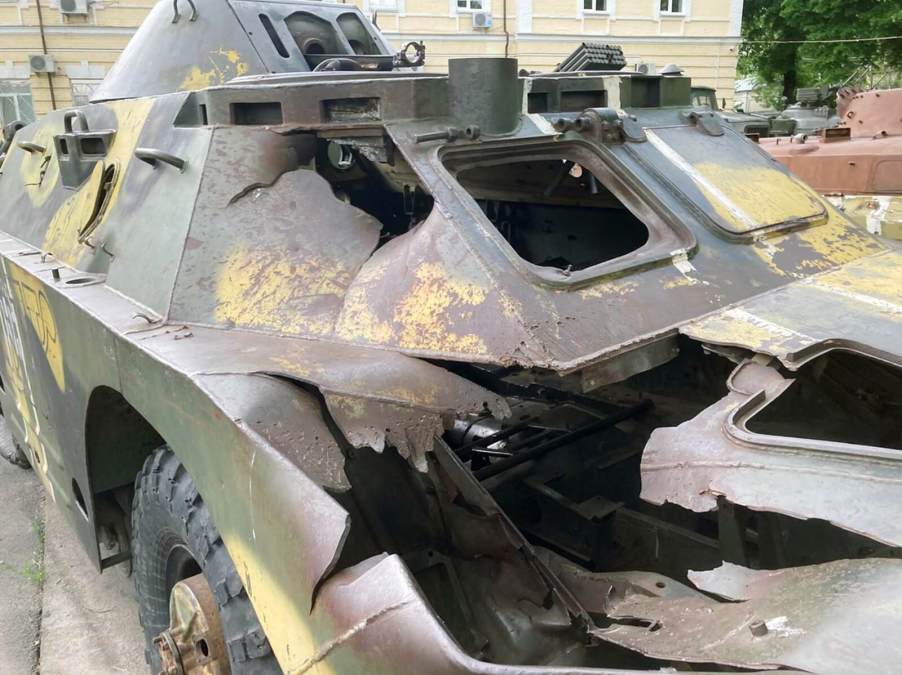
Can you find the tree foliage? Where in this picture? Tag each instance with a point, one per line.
(783, 67)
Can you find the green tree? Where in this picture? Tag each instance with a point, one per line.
(768, 25)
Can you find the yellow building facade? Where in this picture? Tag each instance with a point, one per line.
(76, 43)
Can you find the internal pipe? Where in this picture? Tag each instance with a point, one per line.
(535, 452)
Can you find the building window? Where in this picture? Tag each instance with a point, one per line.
(472, 5)
(671, 6)
(82, 91)
(595, 5)
(15, 101)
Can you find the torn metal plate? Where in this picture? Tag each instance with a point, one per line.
(838, 618)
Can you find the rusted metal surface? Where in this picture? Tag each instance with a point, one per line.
(794, 323)
(715, 456)
(858, 163)
(796, 632)
(194, 642)
(340, 309)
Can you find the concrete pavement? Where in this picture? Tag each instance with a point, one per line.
(21, 568)
(57, 615)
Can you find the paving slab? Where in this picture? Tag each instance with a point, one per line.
(89, 622)
(21, 552)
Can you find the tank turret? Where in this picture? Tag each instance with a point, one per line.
(192, 44)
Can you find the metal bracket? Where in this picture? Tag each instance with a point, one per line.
(606, 124)
(32, 147)
(709, 122)
(175, 11)
(78, 151)
(403, 58)
(153, 157)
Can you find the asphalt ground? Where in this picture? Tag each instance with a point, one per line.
(58, 616)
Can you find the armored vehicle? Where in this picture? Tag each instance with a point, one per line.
(744, 123)
(812, 111)
(364, 369)
(858, 163)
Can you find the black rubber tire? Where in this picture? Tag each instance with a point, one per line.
(170, 521)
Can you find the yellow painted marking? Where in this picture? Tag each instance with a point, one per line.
(763, 196)
(33, 300)
(18, 382)
(622, 286)
(40, 173)
(225, 64)
(61, 238)
(264, 289)
(739, 327)
(877, 278)
(746, 198)
(286, 626)
(425, 314)
(871, 283)
(838, 242)
(358, 320)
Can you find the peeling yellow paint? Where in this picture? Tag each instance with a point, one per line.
(263, 289)
(509, 306)
(61, 237)
(286, 626)
(299, 368)
(436, 301)
(19, 385)
(225, 64)
(40, 173)
(352, 406)
(838, 242)
(681, 282)
(358, 320)
(607, 288)
(739, 327)
(878, 277)
(766, 249)
(752, 197)
(33, 301)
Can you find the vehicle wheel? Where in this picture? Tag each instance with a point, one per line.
(181, 563)
(9, 449)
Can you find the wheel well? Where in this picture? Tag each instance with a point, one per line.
(117, 441)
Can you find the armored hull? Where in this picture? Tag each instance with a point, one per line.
(427, 373)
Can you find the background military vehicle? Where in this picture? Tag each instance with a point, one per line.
(744, 123)
(856, 163)
(370, 370)
(812, 111)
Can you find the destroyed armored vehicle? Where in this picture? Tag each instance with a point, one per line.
(857, 164)
(364, 369)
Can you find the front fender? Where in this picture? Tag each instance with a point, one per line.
(260, 454)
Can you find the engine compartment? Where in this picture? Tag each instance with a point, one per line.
(525, 532)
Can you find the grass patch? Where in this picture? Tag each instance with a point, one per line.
(33, 570)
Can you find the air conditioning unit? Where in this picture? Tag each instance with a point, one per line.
(646, 68)
(482, 20)
(41, 63)
(73, 7)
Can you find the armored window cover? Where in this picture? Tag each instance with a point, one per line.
(730, 180)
